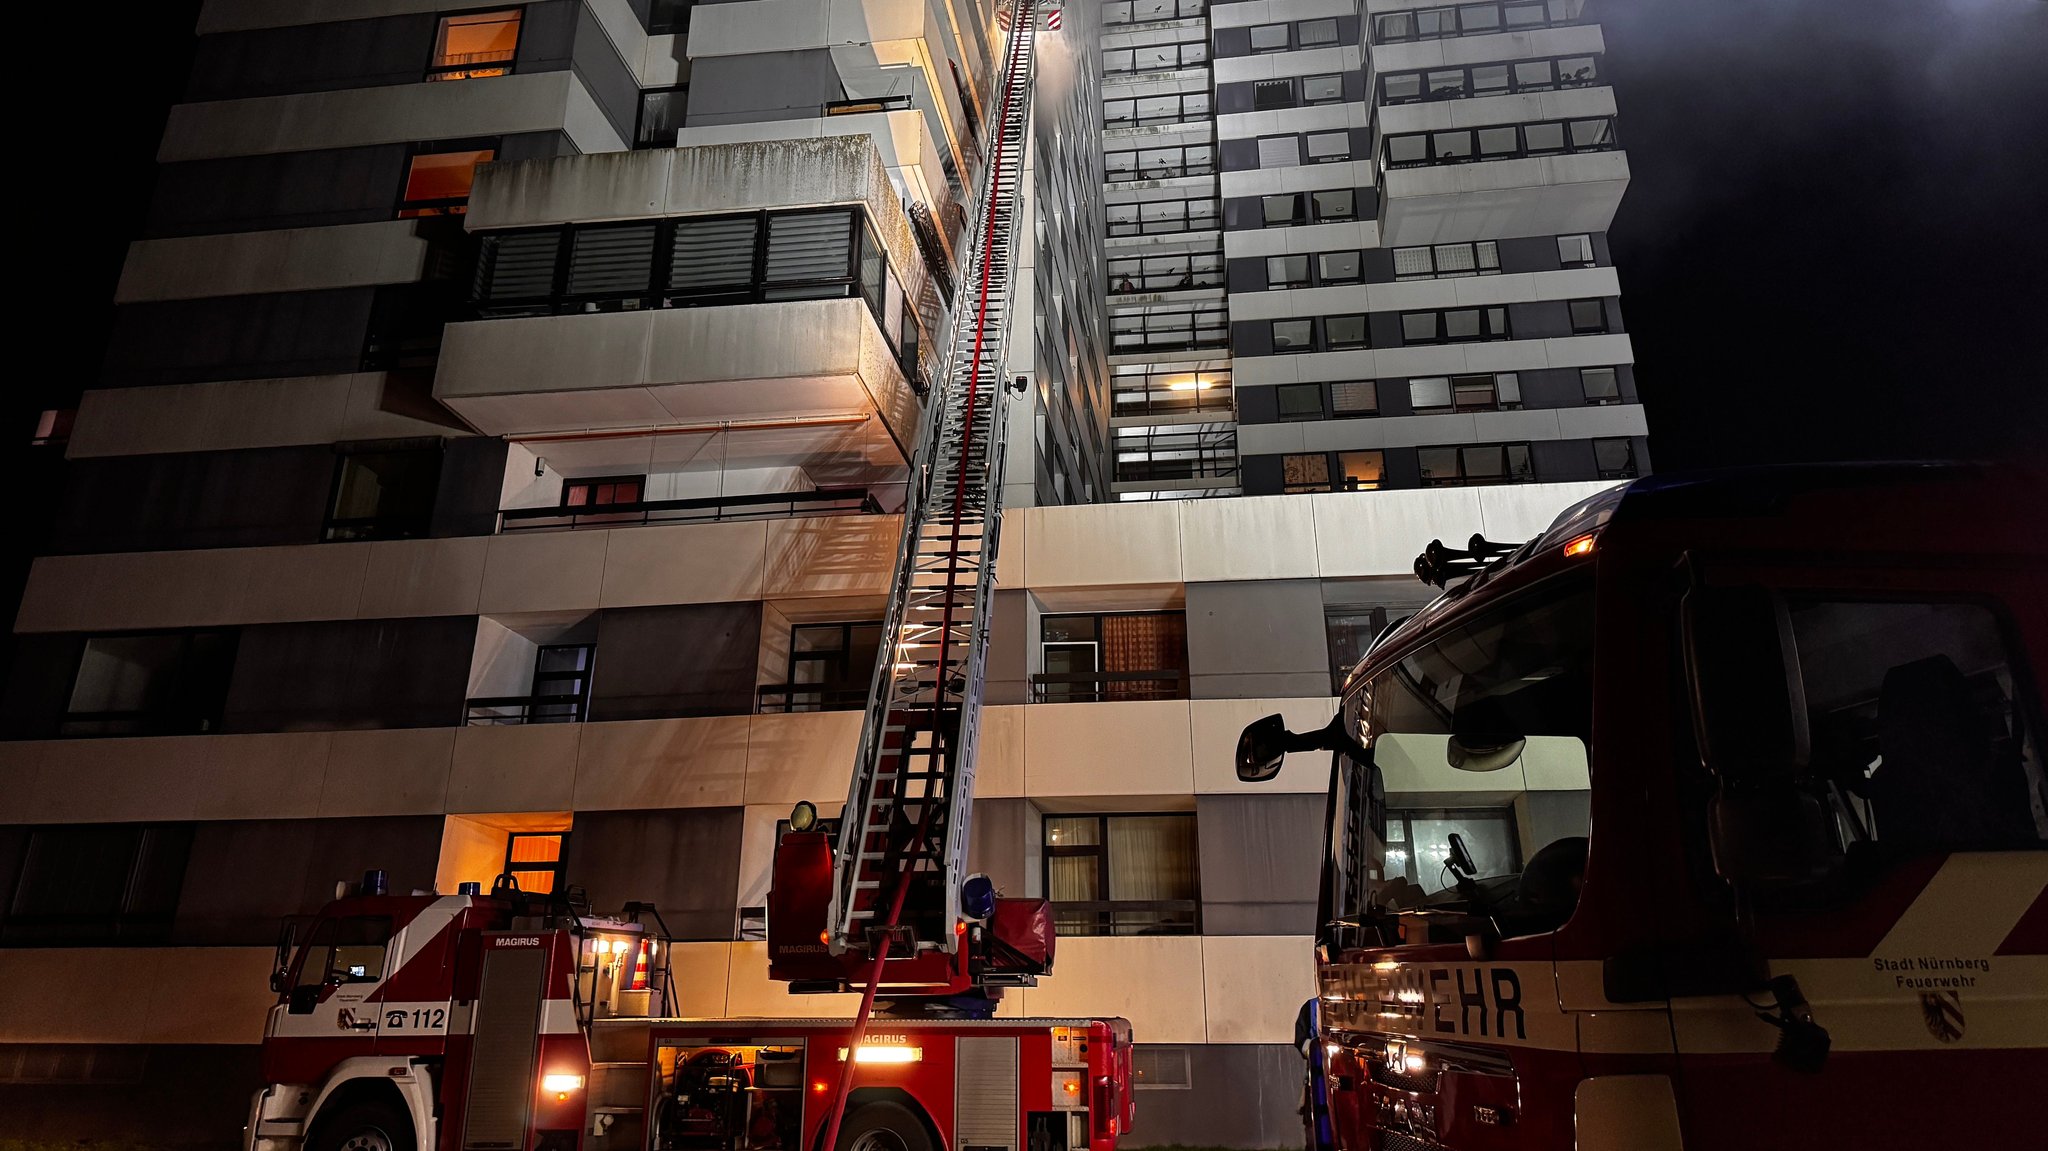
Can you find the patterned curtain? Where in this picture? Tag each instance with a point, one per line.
(1150, 642)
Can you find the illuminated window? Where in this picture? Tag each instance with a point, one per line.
(475, 45)
(1361, 471)
(437, 183)
(534, 859)
(608, 490)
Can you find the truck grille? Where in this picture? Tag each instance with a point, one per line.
(1385, 1075)
(1394, 1141)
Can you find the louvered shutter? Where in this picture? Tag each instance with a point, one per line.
(714, 256)
(1280, 152)
(611, 261)
(806, 248)
(518, 266)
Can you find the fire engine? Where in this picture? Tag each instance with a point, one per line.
(1713, 817)
(516, 1021)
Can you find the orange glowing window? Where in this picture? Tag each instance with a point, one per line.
(475, 45)
(437, 183)
(534, 859)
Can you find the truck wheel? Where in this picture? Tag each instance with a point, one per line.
(370, 1125)
(883, 1126)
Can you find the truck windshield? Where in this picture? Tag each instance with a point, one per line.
(348, 949)
(1481, 732)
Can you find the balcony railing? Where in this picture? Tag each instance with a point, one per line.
(1159, 163)
(1146, 11)
(1128, 917)
(1109, 686)
(1164, 217)
(1155, 58)
(705, 510)
(1145, 111)
(791, 698)
(505, 710)
(1134, 332)
(470, 65)
(1165, 274)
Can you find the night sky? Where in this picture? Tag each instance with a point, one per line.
(1833, 245)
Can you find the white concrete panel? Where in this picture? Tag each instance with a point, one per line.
(750, 994)
(1215, 725)
(270, 775)
(167, 994)
(999, 758)
(390, 771)
(1133, 748)
(282, 260)
(1381, 533)
(515, 767)
(1155, 981)
(1538, 195)
(423, 577)
(118, 780)
(192, 588)
(1525, 511)
(700, 971)
(1258, 537)
(1604, 420)
(275, 584)
(1254, 985)
(752, 26)
(1354, 173)
(354, 117)
(238, 414)
(831, 556)
(805, 756)
(1093, 545)
(202, 995)
(1589, 351)
(543, 571)
(687, 563)
(662, 763)
(1271, 65)
(609, 186)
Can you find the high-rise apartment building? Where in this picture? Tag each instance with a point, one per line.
(495, 462)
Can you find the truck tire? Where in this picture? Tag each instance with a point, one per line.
(366, 1125)
(883, 1126)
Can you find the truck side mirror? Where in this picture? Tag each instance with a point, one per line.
(1261, 749)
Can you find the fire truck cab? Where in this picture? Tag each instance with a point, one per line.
(1712, 818)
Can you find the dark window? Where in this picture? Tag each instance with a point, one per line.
(831, 667)
(1463, 145)
(475, 44)
(1616, 458)
(1267, 94)
(1355, 398)
(1335, 204)
(1280, 211)
(667, 17)
(1454, 326)
(1476, 464)
(1470, 20)
(1123, 874)
(1287, 271)
(438, 183)
(383, 493)
(534, 859)
(1534, 76)
(561, 687)
(1314, 33)
(1575, 251)
(1344, 331)
(661, 117)
(1299, 401)
(1269, 37)
(161, 683)
(1305, 472)
(1600, 385)
(1322, 89)
(1123, 656)
(1541, 139)
(1497, 142)
(1294, 335)
(1329, 147)
(99, 884)
(1589, 316)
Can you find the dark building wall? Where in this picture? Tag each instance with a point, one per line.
(1259, 639)
(683, 660)
(1238, 1095)
(319, 57)
(166, 1098)
(761, 86)
(347, 674)
(1006, 676)
(194, 500)
(243, 876)
(1260, 857)
(40, 673)
(238, 337)
(604, 73)
(472, 478)
(286, 190)
(685, 862)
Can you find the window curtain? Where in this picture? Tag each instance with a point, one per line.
(1152, 857)
(1144, 643)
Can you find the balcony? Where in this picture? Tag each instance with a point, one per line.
(710, 510)
(1551, 177)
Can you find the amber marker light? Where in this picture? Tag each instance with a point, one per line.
(1582, 546)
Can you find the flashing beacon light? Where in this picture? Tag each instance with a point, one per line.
(375, 882)
(804, 816)
(978, 897)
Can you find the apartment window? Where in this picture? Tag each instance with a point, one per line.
(1338, 268)
(561, 683)
(1156, 1068)
(1464, 145)
(1360, 471)
(1401, 88)
(162, 683)
(438, 183)
(1475, 393)
(661, 117)
(1279, 151)
(1616, 458)
(1305, 472)
(1287, 271)
(669, 17)
(1472, 20)
(99, 884)
(1575, 251)
(1589, 317)
(1578, 71)
(831, 666)
(1112, 657)
(1335, 204)
(475, 44)
(1329, 147)
(1476, 464)
(1280, 211)
(1445, 260)
(1600, 385)
(1344, 332)
(1445, 83)
(1489, 79)
(534, 860)
(1325, 89)
(1535, 76)
(1299, 401)
(1355, 398)
(1270, 94)
(1315, 33)
(603, 491)
(1454, 326)
(1294, 335)
(1269, 37)
(383, 492)
(1123, 874)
